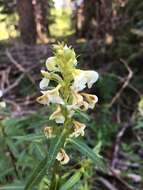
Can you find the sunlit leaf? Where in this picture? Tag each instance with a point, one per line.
(86, 150)
(71, 181)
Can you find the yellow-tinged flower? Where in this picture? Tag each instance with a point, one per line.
(51, 64)
(77, 103)
(66, 54)
(51, 76)
(83, 78)
(78, 129)
(70, 55)
(62, 157)
(91, 99)
(50, 96)
(77, 98)
(46, 74)
(58, 116)
(48, 132)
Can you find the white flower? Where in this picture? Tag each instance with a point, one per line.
(51, 64)
(50, 96)
(78, 129)
(1, 93)
(44, 83)
(62, 157)
(83, 78)
(91, 99)
(58, 116)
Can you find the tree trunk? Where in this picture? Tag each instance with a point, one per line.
(97, 18)
(27, 25)
(41, 9)
(89, 14)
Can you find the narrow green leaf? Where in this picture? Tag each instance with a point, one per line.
(86, 150)
(82, 114)
(31, 137)
(12, 187)
(12, 147)
(37, 175)
(72, 181)
(97, 148)
(47, 162)
(39, 150)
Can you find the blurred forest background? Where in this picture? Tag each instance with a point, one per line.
(108, 37)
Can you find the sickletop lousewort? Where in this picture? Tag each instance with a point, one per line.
(67, 95)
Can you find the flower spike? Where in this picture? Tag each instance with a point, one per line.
(67, 96)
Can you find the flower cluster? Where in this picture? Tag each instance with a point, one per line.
(66, 94)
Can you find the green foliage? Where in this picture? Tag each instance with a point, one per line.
(70, 183)
(84, 149)
(62, 22)
(29, 151)
(107, 87)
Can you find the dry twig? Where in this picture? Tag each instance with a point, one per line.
(107, 184)
(129, 187)
(20, 67)
(117, 144)
(16, 83)
(125, 84)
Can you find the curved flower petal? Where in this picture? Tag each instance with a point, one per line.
(58, 116)
(83, 78)
(92, 77)
(77, 98)
(77, 103)
(44, 99)
(44, 83)
(91, 99)
(62, 157)
(51, 76)
(51, 64)
(51, 96)
(79, 82)
(78, 129)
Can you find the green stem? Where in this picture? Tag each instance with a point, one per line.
(56, 168)
(55, 178)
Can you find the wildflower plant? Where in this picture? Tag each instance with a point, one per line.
(62, 85)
